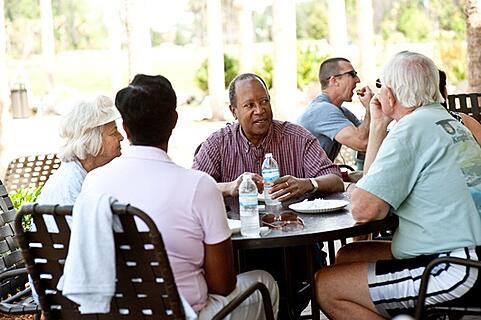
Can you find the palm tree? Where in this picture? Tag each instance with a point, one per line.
(473, 28)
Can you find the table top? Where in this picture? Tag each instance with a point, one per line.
(318, 227)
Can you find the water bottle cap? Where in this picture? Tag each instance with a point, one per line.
(268, 155)
(246, 175)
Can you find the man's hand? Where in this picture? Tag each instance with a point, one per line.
(234, 185)
(289, 187)
(365, 95)
(377, 114)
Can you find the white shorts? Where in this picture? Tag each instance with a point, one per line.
(394, 284)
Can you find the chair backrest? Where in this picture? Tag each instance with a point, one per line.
(145, 287)
(30, 171)
(10, 254)
(465, 103)
(435, 312)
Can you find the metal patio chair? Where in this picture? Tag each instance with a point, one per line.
(438, 311)
(15, 296)
(145, 287)
(30, 171)
(465, 103)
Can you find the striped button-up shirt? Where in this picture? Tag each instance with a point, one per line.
(227, 153)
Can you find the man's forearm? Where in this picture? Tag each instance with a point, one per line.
(330, 183)
(378, 131)
(226, 188)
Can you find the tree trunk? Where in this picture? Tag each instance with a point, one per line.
(246, 35)
(337, 27)
(113, 25)
(138, 37)
(284, 80)
(215, 59)
(367, 50)
(48, 41)
(473, 29)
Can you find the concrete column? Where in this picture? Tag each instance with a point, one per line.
(138, 37)
(246, 35)
(215, 59)
(284, 80)
(337, 27)
(113, 25)
(48, 41)
(367, 50)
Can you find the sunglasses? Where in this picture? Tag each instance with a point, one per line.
(352, 73)
(286, 221)
(378, 83)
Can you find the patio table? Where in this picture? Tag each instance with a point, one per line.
(318, 227)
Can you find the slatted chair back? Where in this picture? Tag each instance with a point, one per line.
(441, 311)
(465, 103)
(11, 257)
(145, 287)
(30, 171)
(13, 276)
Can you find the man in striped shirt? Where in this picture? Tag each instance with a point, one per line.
(304, 168)
(240, 147)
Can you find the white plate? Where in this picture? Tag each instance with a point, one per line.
(318, 206)
(234, 225)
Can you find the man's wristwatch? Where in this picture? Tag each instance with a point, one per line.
(314, 184)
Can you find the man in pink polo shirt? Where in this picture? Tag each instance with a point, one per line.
(185, 204)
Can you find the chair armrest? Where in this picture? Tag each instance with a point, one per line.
(427, 272)
(266, 300)
(12, 273)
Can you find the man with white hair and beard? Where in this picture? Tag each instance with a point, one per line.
(428, 169)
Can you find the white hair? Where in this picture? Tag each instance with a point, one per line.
(413, 78)
(81, 127)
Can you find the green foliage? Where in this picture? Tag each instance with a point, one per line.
(29, 9)
(308, 62)
(265, 71)
(311, 20)
(453, 56)
(450, 15)
(231, 69)
(414, 23)
(263, 24)
(23, 196)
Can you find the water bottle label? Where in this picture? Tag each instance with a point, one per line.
(248, 199)
(270, 175)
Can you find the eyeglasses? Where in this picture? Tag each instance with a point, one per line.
(352, 73)
(286, 221)
(378, 83)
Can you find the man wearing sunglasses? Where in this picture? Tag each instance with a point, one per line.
(330, 122)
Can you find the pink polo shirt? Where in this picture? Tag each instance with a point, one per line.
(185, 204)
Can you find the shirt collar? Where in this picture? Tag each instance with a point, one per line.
(248, 145)
(145, 152)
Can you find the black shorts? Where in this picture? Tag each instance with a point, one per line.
(394, 284)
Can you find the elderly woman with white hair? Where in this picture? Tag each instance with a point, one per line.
(91, 140)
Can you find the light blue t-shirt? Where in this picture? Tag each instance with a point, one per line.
(324, 120)
(429, 170)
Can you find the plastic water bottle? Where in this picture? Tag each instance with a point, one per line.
(270, 173)
(249, 211)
